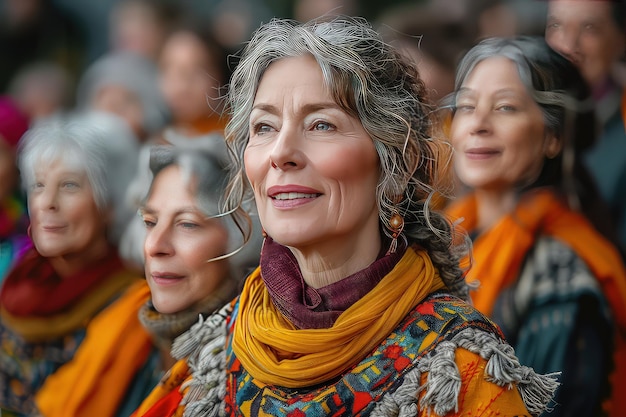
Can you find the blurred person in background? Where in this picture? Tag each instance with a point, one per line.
(556, 286)
(433, 41)
(141, 26)
(194, 263)
(305, 10)
(13, 214)
(43, 90)
(125, 84)
(69, 303)
(39, 30)
(193, 72)
(592, 34)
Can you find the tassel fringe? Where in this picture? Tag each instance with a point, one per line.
(204, 346)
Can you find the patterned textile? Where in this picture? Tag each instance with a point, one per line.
(24, 366)
(34, 347)
(445, 358)
(557, 318)
(558, 289)
(358, 391)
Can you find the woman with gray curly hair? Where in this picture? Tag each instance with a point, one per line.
(357, 307)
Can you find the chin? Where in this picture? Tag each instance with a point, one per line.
(165, 308)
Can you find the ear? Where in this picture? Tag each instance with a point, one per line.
(553, 146)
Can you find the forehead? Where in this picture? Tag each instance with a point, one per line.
(494, 70)
(580, 10)
(294, 73)
(63, 163)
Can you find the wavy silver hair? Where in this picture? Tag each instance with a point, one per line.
(370, 80)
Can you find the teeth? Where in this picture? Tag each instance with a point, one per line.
(293, 196)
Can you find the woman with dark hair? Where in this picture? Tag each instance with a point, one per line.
(357, 307)
(547, 276)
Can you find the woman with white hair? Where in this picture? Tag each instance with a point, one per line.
(70, 305)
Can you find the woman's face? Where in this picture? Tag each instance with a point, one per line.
(118, 100)
(180, 240)
(498, 131)
(188, 77)
(312, 166)
(587, 34)
(65, 221)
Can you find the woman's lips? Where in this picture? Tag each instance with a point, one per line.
(166, 278)
(481, 153)
(291, 196)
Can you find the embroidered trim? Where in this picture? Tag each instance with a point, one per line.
(204, 344)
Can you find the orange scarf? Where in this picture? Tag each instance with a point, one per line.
(277, 353)
(165, 399)
(96, 380)
(498, 255)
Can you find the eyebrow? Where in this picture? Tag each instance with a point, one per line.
(183, 210)
(307, 108)
(500, 92)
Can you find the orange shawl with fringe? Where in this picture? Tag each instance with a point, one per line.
(95, 381)
(499, 253)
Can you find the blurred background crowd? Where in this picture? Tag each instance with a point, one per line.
(48, 45)
(162, 67)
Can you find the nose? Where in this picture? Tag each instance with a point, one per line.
(480, 121)
(48, 198)
(567, 43)
(288, 151)
(158, 242)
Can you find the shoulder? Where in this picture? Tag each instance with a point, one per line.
(463, 351)
(446, 315)
(553, 270)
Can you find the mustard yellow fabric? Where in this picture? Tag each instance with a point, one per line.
(275, 352)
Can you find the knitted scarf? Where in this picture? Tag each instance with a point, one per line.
(164, 328)
(107, 280)
(34, 288)
(499, 254)
(274, 351)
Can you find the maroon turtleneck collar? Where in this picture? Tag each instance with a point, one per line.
(310, 308)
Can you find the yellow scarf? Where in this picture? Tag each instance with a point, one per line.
(272, 350)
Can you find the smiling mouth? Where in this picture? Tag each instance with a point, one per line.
(293, 196)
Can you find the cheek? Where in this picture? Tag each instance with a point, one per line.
(349, 164)
(253, 162)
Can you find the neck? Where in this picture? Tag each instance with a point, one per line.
(70, 264)
(492, 206)
(330, 262)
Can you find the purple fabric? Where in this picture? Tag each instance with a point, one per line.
(310, 308)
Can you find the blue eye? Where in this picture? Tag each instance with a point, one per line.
(70, 184)
(322, 126)
(261, 128)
